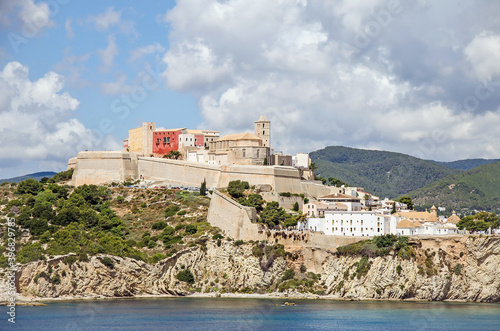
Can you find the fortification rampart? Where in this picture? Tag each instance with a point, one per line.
(102, 167)
(234, 219)
(179, 172)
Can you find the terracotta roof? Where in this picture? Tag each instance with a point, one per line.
(179, 129)
(240, 136)
(339, 196)
(417, 224)
(413, 214)
(194, 131)
(405, 224)
(453, 219)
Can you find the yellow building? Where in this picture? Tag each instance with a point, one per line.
(140, 140)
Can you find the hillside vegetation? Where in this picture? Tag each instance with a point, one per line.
(476, 189)
(385, 174)
(467, 164)
(56, 219)
(36, 175)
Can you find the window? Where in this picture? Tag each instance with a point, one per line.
(244, 153)
(263, 132)
(164, 140)
(258, 153)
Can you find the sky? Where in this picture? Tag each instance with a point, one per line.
(416, 77)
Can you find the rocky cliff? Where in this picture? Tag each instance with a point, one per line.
(457, 268)
(460, 268)
(213, 268)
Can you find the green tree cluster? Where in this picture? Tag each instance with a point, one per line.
(236, 188)
(481, 221)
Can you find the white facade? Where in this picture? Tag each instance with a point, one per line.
(352, 203)
(301, 160)
(359, 223)
(187, 140)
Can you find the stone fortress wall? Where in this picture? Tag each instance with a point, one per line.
(105, 167)
(236, 221)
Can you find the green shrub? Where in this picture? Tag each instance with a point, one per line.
(237, 187)
(303, 268)
(217, 236)
(239, 242)
(159, 225)
(108, 262)
(182, 213)
(156, 257)
(172, 210)
(191, 229)
(69, 260)
(399, 269)
(56, 279)
(289, 274)
(185, 276)
(458, 269)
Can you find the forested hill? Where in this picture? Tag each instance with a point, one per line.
(478, 188)
(385, 174)
(37, 176)
(467, 164)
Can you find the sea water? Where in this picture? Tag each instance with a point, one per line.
(252, 314)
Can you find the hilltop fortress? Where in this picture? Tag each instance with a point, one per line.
(218, 161)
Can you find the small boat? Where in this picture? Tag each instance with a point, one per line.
(286, 304)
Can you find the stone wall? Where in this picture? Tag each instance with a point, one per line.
(179, 172)
(102, 167)
(71, 163)
(233, 219)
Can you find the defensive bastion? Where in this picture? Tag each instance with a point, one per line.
(116, 166)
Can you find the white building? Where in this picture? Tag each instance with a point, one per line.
(318, 209)
(352, 203)
(301, 160)
(352, 223)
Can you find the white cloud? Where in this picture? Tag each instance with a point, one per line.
(69, 29)
(29, 17)
(146, 50)
(483, 53)
(108, 55)
(286, 60)
(106, 20)
(72, 66)
(120, 86)
(36, 121)
(112, 18)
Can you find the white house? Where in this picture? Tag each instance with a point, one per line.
(351, 223)
(352, 203)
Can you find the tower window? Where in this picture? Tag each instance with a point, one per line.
(263, 132)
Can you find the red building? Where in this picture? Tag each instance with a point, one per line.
(166, 141)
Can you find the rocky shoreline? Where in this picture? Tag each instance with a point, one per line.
(459, 269)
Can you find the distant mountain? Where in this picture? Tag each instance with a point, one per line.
(467, 164)
(37, 176)
(385, 174)
(478, 188)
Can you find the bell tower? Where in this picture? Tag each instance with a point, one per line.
(263, 130)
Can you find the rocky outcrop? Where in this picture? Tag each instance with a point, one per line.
(455, 268)
(213, 267)
(461, 268)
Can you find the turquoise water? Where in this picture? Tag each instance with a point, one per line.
(253, 314)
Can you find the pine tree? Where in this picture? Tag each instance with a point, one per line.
(203, 188)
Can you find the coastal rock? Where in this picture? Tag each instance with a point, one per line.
(465, 268)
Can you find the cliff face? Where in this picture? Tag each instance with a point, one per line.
(213, 267)
(463, 268)
(459, 268)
